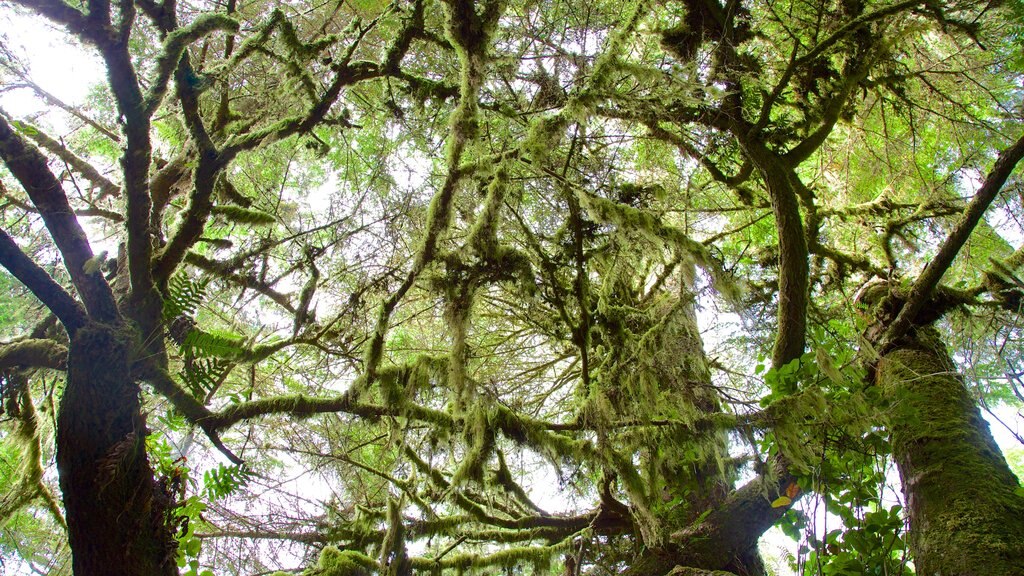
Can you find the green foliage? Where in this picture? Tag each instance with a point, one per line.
(224, 480)
(184, 295)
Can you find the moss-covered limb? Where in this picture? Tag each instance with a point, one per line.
(301, 537)
(477, 514)
(833, 107)
(412, 27)
(537, 556)
(728, 535)
(471, 503)
(851, 261)
(686, 571)
(301, 405)
(783, 187)
(175, 43)
(965, 517)
(209, 164)
(936, 268)
(547, 265)
(352, 532)
(629, 218)
(344, 76)
(394, 558)
(42, 286)
(470, 34)
(225, 272)
(503, 476)
(335, 562)
(90, 211)
(183, 402)
(734, 181)
(31, 169)
(75, 162)
(33, 353)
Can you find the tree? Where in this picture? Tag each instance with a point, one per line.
(434, 252)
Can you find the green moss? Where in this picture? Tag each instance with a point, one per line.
(538, 557)
(965, 515)
(633, 219)
(335, 562)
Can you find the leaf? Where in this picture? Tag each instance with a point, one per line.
(781, 502)
(793, 490)
(183, 296)
(25, 128)
(220, 345)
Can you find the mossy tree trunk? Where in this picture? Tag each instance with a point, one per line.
(665, 370)
(116, 515)
(965, 517)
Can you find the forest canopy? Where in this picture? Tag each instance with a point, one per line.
(513, 286)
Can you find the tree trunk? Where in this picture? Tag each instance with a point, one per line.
(965, 518)
(118, 522)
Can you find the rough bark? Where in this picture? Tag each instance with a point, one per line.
(965, 518)
(117, 517)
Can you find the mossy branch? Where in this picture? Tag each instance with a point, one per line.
(174, 46)
(33, 353)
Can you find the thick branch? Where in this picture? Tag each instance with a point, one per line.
(794, 269)
(33, 353)
(106, 187)
(29, 166)
(922, 289)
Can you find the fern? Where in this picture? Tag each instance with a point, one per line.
(224, 345)
(204, 375)
(183, 296)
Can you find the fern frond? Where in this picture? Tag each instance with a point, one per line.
(203, 375)
(183, 296)
(214, 344)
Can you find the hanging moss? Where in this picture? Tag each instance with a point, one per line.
(393, 555)
(629, 218)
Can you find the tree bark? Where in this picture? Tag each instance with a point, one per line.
(118, 520)
(965, 517)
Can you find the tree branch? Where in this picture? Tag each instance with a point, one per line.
(63, 306)
(925, 285)
(29, 166)
(33, 353)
